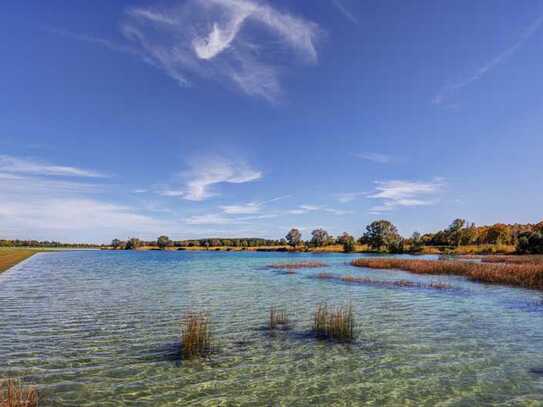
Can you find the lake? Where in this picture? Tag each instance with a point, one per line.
(102, 329)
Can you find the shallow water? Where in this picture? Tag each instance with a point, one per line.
(102, 329)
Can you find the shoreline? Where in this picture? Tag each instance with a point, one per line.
(11, 256)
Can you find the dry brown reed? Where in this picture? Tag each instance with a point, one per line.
(335, 323)
(519, 275)
(382, 283)
(13, 394)
(278, 318)
(524, 259)
(299, 265)
(195, 335)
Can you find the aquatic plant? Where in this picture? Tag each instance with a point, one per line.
(519, 275)
(382, 283)
(523, 259)
(336, 323)
(278, 318)
(14, 394)
(298, 265)
(195, 335)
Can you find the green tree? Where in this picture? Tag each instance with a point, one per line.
(416, 242)
(347, 241)
(319, 237)
(116, 243)
(133, 243)
(294, 237)
(163, 242)
(381, 234)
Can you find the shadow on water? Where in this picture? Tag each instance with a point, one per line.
(165, 352)
(538, 371)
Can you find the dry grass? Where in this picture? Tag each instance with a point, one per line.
(278, 318)
(299, 265)
(195, 335)
(383, 283)
(335, 323)
(13, 394)
(10, 257)
(519, 275)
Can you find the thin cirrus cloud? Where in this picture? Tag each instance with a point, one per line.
(343, 10)
(39, 203)
(346, 197)
(213, 39)
(374, 157)
(400, 193)
(204, 175)
(449, 90)
(303, 209)
(15, 165)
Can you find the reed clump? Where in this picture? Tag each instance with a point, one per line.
(526, 275)
(14, 394)
(298, 265)
(336, 323)
(278, 318)
(195, 335)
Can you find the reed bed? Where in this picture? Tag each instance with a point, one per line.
(278, 318)
(298, 265)
(14, 394)
(335, 323)
(383, 283)
(523, 259)
(195, 335)
(518, 275)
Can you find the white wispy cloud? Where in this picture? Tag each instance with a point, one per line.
(40, 207)
(221, 219)
(15, 165)
(242, 209)
(374, 157)
(205, 173)
(111, 45)
(343, 10)
(222, 40)
(448, 90)
(400, 193)
(303, 209)
(346, 197)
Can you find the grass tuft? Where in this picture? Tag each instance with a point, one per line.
(278, 318)
(527, 275)
(195, 335)
(336, 323)
(13, 394)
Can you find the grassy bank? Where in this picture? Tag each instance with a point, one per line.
(527, 275)
(9, 257)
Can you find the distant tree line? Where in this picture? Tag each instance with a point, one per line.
(46, 243)
(379, 236)
(164, 242)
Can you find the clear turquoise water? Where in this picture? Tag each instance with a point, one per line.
(102, 329)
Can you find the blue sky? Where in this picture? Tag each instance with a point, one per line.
(203, 118)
